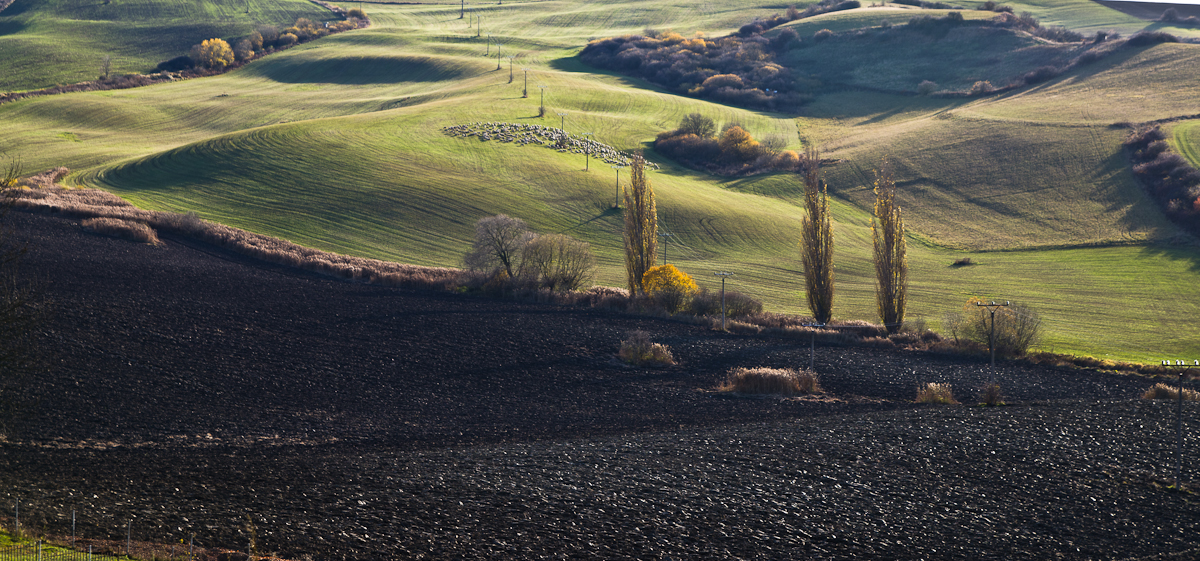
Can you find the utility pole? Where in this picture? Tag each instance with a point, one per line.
(1184, 366)
(542, 95)
(563, 124)
(510, 68)
(724, 275)
(587, 151)
(498, 45)
(479, 25)
(617, 200)
(992, 307)
(462, 8)
(665, 235)
(525, 91)
(812, 349)
(489, 46)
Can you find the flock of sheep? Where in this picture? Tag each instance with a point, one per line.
(545, 136)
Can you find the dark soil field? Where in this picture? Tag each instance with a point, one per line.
(191, 388)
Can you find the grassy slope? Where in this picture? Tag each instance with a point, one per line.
(1185, 139)
(48, 42)
(348, 155)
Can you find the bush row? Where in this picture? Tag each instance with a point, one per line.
(1167, 176)
(218, 54)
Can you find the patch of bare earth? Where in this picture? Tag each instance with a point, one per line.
(191, 387)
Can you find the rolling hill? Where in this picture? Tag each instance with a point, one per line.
(338, 144)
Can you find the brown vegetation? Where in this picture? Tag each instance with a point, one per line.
(1167, 391)
(637, 349)
(778, 381)
(127, 229)
(891, 260)
(933, 392)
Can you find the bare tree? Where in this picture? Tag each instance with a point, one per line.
(498, 245)
(891, 260)
(106, 67)
(816, 240)
(560, 262)
(641, 226)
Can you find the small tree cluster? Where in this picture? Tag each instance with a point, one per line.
(1168, 177)
(219, 54)
(734, 152)
(1017, 326)
(513, 256)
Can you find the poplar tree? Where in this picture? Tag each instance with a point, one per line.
(641, 226)
(891, 261)
(816, 240)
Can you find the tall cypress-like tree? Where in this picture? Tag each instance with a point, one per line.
(816, 241)
(641, 226)
(891, 260)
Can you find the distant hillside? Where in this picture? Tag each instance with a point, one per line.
(49, 42)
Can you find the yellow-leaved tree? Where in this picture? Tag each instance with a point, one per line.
(669, 286)
(816, 240)
(213, 53)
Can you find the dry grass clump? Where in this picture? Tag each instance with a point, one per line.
(990, 395)
(782, 381)
(126, 229)
(1167, 391)
(639, 350)
(934, 392)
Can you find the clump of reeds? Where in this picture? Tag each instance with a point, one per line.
(782, 381)
(1167, 391)
(934, 392)
(639, 350)
(127, 229)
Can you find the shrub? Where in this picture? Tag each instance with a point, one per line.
(723, 81)
(356, 13)
(213, 53)
(1041, 74)
(697, 124)
(822, 35)
(244, 50)
(176, 64)
(1169, 15)
(788, 160)
(782, 381)
(127, 229)
(669, 287)
(926, 87)
(1058, 34)
(1167, 391)
(737, 145)
(936, 393)
(287, 40)
(990, 395)
(560, 262)
(962, 262)
(981, 87)
(498, 245)
(269, 35)
(1147, 38)
(637, 349)
(708, 303)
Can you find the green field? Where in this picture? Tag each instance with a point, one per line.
(49, 42)
(337, 144)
